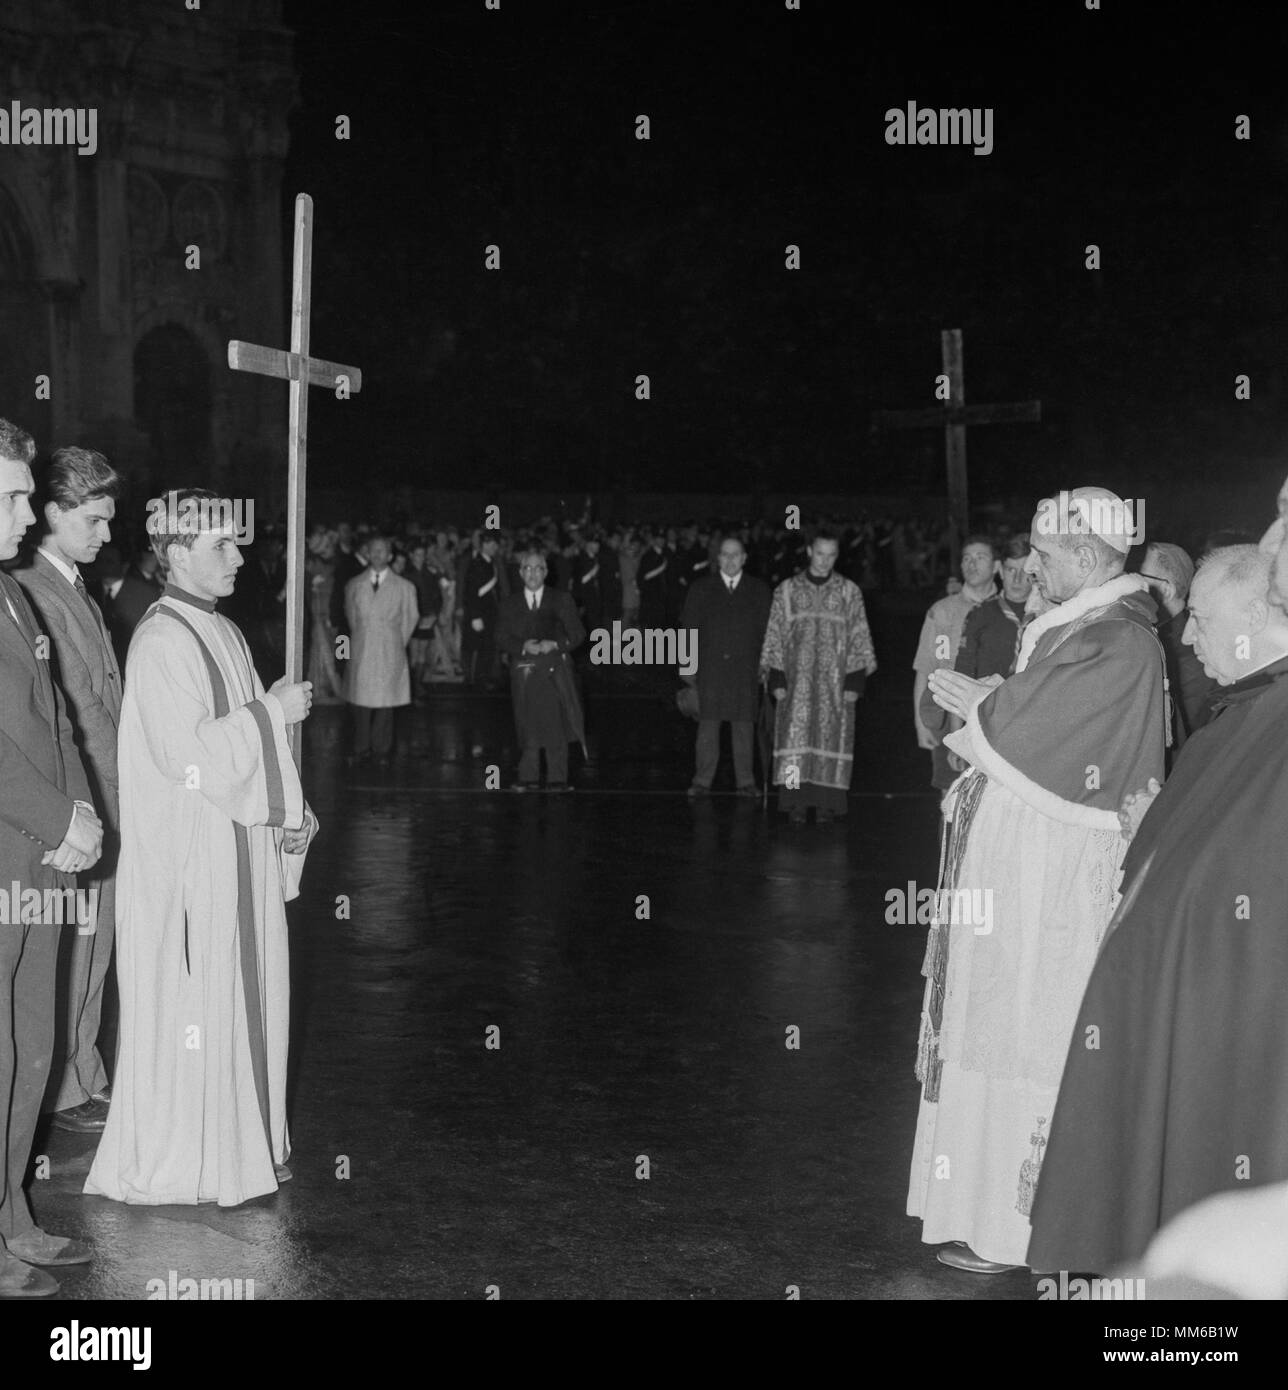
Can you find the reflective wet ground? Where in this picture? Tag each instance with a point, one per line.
(510, 1069)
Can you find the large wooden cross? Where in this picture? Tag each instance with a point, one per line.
(953, 416)
(302, 371)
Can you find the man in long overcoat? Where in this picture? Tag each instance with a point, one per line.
(537, 629)
(729, 612)
(380, 607)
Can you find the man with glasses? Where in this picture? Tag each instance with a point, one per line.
(1184, 1094)
(537, 629)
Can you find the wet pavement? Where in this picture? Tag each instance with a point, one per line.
(547, 1049)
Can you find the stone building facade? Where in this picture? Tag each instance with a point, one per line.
(97, 289)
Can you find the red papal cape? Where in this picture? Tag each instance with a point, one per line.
(1053, 751)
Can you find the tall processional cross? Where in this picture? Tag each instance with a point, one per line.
(302, 371)
(953, 416)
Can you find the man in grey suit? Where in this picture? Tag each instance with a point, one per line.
(48, 832)
(77, 502)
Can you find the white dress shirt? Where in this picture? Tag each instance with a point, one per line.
(69, 572)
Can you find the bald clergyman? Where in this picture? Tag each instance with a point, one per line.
(1052, 751)
(1185, 1091)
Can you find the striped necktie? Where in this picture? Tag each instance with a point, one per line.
(89, 602)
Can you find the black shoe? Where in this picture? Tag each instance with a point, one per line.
(697, 789)
(88, 1118)
(558, 787)
(526, 787)
(796, 816)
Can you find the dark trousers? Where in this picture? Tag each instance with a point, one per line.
(482, 661)
(373, 730)
(708, 752)
(28, 962)
(78, 1073)
(556, 763)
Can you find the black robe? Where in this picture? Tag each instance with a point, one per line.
(1186, 1094)
(547, 711)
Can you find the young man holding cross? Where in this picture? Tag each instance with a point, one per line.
(214, 828)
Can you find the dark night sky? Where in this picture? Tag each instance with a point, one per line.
(666, 257)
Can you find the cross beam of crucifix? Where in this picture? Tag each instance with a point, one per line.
(953, 416)
(302, 371)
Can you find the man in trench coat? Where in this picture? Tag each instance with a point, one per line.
(382, 614)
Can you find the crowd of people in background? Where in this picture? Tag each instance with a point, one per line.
(451, 588)
(635, 574)
(638, 574)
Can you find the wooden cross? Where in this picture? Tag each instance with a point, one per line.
(954, 415)
(302, 371)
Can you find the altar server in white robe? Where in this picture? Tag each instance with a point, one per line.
(214, 828)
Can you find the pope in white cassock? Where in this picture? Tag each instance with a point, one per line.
(214, 829)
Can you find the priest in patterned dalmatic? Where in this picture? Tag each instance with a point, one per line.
(817, 654)
(1032, 833)
(214, 828)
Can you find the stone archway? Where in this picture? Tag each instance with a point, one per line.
(172, 405)
(24, 312)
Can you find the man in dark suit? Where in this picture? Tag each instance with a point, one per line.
(693, 562)
(729, 611)
(48, 832)
(596, 586)
(133, 596)
(348, 565)
(656, 581)
(537, 628)
(478, 600)
(78, 502)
